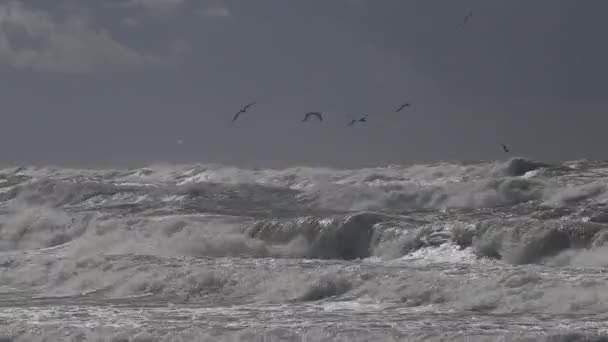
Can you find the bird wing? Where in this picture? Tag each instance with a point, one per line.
(236, 116)
(249, 105)
(309, 114)
(401, 107)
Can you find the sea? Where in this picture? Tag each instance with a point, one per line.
(510, 250)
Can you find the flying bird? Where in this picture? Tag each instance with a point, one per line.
(504, 148)
(353, 121)
(402, 107)
(243, 110)
(315, 114)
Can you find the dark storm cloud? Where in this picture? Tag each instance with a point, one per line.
(100, 82)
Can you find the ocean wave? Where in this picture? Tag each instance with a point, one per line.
(166, 231)
(419, 187)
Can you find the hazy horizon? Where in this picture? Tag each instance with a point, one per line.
(120, 82)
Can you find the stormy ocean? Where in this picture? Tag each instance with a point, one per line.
(487, 251)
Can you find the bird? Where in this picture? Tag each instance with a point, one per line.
(243, 110)
(402, 107)
(504, 148)
(467, 17)
(315, 114)
(353, 121)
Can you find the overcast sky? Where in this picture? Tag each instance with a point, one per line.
(111, 82)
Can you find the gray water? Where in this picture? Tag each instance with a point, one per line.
(496, 251)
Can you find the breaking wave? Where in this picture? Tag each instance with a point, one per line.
(309, 212)
(90, 228)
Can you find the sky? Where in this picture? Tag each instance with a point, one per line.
(136, 82)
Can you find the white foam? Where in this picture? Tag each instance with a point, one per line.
(445, 253)
(356, 305)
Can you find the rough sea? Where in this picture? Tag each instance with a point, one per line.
(491, 251)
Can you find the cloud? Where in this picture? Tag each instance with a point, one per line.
(130, 22)
(216, 12)
(159, 6)
(33, 39)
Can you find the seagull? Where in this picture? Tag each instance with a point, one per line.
(244, 110)
(467, 17)
(505, 148)
(401, 107)
(315, 114)
(353, 121)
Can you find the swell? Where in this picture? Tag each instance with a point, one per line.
(218, 235)
(500, 210)
(282, 192)
(342, 237)
(522, 241)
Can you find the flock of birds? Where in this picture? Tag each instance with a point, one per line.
(317, 115)
(363, 119)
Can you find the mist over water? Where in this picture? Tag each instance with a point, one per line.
(506, 250)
